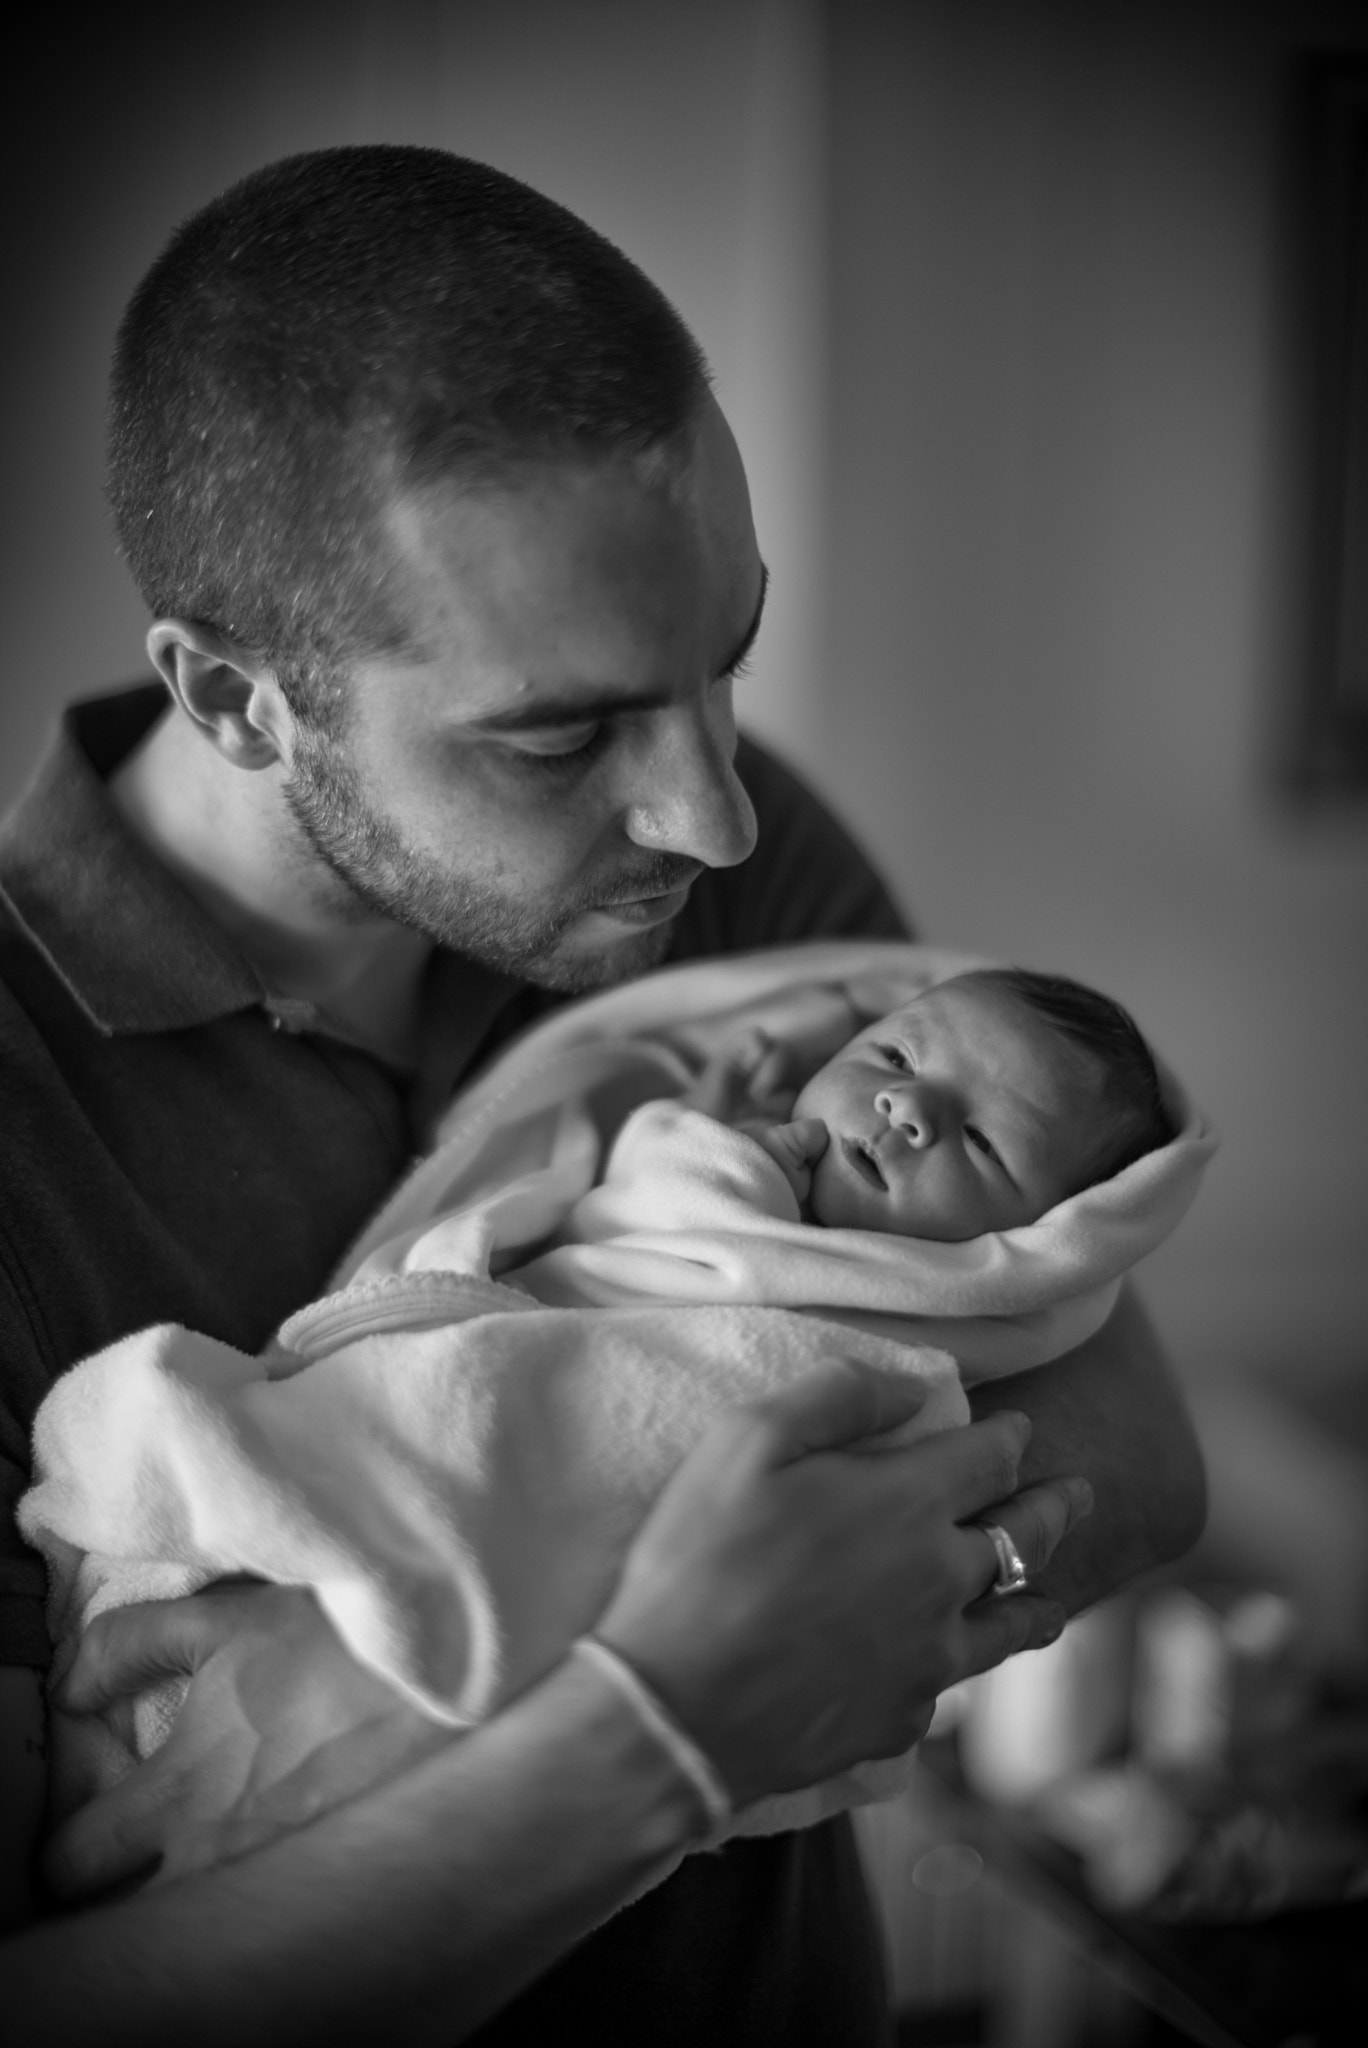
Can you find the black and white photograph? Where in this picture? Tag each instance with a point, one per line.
(684, 1025)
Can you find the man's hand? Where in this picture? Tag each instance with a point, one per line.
(1111, 1410)
(799, 1596)
(280, 1724)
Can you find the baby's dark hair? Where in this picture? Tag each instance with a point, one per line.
(1134, 1119)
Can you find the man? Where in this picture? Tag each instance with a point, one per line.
(452, 567)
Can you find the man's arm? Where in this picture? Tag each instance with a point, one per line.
(1112, 1411)
(797, 1605)
(407, 1915)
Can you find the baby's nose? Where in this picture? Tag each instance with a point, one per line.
(908, 1108)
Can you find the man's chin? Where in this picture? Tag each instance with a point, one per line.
(589, 958)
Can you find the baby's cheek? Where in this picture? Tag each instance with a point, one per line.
(813, 1098)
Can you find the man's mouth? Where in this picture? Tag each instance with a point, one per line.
(646, 910)
(659, 889)
(862, 1158)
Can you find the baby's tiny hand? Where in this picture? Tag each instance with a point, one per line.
(795, 1149)
(744, 1077)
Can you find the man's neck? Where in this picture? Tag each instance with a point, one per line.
(229, 838)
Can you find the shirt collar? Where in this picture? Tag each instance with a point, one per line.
(132, 947)
(134, 950)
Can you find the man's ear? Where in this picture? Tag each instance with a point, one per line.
(233, 698)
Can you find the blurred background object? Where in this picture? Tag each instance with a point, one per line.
(1009, 303)
(1154, 1831)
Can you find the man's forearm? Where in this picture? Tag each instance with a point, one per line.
(408, 1915)
(1111, 1411)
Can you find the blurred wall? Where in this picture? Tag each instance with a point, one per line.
(994, 295)
(1066, 582)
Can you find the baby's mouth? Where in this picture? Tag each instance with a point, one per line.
(862, 1157)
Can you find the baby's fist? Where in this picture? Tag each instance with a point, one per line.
(795, 1149)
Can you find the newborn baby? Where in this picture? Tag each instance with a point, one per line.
(975, 1107)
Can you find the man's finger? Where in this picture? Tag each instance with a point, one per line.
(1036, 1521)
(832, 1407)
(995, 1629)
(971, 1469)
(111, 1840)
(129, 1649)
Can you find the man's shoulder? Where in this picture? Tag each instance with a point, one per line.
(807, 879)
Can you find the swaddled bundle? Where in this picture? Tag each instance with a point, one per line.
(455, 1446)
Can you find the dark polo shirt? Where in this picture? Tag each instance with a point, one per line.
(180, 1146)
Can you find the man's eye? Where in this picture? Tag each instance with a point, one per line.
(562, 743)
(896, 1057)
(975, 1137)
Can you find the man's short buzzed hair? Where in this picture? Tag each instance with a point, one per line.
(349, 323)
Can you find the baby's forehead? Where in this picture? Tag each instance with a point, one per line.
(977, 1015)
(968, 1005)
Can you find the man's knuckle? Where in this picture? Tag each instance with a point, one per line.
(1004, 1473)
(1045, 1526)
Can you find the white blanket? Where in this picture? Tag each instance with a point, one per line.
(457, 1467)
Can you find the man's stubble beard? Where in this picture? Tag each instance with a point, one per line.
(385, 876)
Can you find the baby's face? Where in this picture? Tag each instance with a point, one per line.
(961, 1113)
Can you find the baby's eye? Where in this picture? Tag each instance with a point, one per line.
(897, 1057)
(975, 1137)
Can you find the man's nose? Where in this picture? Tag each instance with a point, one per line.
(690, 800)
(910, 1107)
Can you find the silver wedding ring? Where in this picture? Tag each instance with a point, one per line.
(1011, 1572)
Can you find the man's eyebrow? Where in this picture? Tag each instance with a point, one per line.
(550, 714)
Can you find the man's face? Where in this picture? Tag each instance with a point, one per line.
(539, 781)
